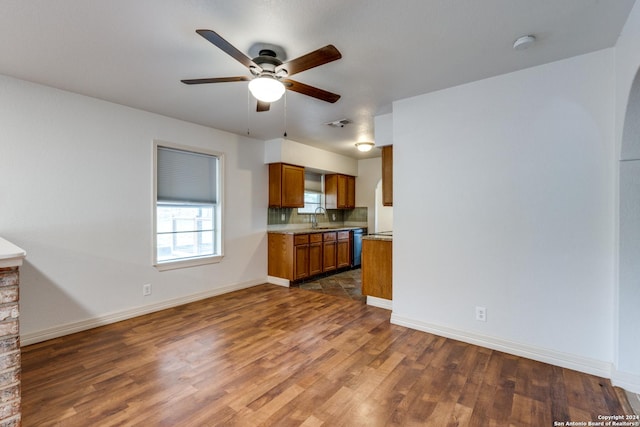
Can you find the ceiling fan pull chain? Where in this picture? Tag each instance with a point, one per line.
(248, 110)
(285, 114)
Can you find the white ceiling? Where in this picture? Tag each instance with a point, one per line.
(134, 52)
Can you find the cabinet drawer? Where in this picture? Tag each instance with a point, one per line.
(343, 235)
(315, 238)
(331, 236)
(300, 239)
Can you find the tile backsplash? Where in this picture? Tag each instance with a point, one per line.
(334, 217)
(356, 215)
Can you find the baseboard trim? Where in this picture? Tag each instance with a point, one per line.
(83, 325)
(564, 360)
(626, 380)
(278, 281)
(380, 302)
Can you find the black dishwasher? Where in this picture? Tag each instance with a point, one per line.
(356, 238)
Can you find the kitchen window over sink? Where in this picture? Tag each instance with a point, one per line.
(188, 209)
(312, 193)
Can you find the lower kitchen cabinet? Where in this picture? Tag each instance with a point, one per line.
(329, 252)
(343, 250)
(297, 257)
(280, 250)
(377, 268)
(315, 254)
(301, 257)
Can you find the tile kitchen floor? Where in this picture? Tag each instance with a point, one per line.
(347, 284)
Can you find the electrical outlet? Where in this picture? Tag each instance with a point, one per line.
(333, 216)
(283, 217)
(481, 314)
(146, 290)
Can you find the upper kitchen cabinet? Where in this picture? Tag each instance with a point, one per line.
(339, 191)
(387, 175)
(286, 186)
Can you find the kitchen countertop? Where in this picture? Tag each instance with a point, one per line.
(10, 254)
(314, 230)
(378, 237)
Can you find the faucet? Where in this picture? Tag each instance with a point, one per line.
(314, 218)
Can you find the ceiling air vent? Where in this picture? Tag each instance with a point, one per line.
(339, 123)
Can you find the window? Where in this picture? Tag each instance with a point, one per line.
(312, 193)
(312, 200)
(187, 212)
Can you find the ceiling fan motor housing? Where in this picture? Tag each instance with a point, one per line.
(268, 61)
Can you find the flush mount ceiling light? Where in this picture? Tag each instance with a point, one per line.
(524, 42)
(266, 88)
(338, 123)
(364, 146)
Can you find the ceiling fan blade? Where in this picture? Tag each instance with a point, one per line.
(215, 80)
(227, 47)
(313, 59)
(311, 91)
(263, 106)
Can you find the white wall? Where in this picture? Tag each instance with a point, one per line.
(369, 174)
(76, 194)
(627, 54)
(384, 129)
(384, 136)
(503, 198)
(288, 151)
(383, 214)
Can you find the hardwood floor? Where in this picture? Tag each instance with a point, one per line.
(275, 356)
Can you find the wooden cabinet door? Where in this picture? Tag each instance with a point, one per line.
(292, 186)
(281, 255)
(331, 191)
(342, 191)
(315, 258)
(329, 256)
(339, 191)
(343, 256)
(351, 192)
(329, 249)
(387, 175)
(275, 185)
(377, 271)
(286, 186)
(315, 253)
(301, 263)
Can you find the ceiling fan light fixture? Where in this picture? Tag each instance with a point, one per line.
(524, 42)
(364, 146)
(266, 88)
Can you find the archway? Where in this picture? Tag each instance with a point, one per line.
(629, 246)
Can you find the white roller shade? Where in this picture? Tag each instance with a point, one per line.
(184, 176)
(313, 182)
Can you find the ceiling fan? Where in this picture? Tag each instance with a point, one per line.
(270, 74)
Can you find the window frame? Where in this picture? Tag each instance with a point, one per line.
(218, 210)
(320, 203)
(313, 184)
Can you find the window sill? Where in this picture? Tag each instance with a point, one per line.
(186, 263)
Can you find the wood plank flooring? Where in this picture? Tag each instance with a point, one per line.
(273, 356)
